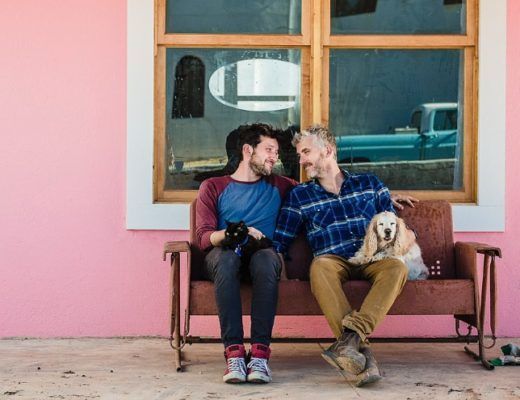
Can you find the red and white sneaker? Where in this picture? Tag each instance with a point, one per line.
(236, 364)
(258, 368)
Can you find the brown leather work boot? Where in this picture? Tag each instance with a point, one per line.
(344, 354)
(372, 373)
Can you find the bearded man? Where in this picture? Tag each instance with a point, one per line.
(335, 208)
(254, 195)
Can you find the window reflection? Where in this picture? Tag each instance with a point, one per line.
(215, 91)
(234, 16)
(398, 16)
(188, 95)
(256, 84)
(397, 113)
(341, 8)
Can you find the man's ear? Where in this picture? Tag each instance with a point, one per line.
(247, 149)
(329, 150)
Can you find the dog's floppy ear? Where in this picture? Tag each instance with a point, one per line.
(404, 239)
(369, 247)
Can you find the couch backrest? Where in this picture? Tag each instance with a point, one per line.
(433, 223)
(430, 219)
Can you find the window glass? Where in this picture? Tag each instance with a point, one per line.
(229, 88)
(383, 105)
(398, 16)
(234, 16)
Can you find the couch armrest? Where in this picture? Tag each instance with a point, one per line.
(176, 247)
(177, 341)
(466, 257)
(466, 267)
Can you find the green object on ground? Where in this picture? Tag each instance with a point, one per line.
(511, 356)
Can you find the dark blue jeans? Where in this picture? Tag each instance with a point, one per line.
(225, 269)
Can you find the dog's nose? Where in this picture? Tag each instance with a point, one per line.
(388, 231)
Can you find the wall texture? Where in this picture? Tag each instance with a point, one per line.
(68, 266)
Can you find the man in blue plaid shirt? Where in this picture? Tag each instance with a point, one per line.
(335, 208)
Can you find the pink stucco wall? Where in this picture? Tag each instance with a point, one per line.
(68, 266)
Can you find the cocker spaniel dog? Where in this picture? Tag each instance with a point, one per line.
(387, 236)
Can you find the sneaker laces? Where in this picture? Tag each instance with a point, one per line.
(236, 364)
(260, 365)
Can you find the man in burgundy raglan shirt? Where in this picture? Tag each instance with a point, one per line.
(253, 195)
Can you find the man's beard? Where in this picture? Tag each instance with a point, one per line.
(257, 167)
(317, 169)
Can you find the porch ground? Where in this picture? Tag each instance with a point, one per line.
(143, 368)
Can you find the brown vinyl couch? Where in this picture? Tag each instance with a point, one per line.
(452, 288)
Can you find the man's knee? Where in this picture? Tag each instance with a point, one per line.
(321, 267)
(398, 268)
(395, 270)
(227, 265)
(264, 257)
(265, 263)
(322, 270)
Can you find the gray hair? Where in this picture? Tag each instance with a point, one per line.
(322, 134)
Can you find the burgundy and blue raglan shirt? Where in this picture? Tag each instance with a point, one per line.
(224, 199)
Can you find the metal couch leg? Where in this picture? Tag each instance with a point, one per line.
(175, 322)
(481, 356)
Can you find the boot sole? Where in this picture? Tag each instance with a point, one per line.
(368, 380)
(348, 364)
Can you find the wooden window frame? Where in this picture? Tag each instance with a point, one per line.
(315, 42)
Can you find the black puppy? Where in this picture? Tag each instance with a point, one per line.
(241, 242)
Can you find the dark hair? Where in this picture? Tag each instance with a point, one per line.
(250, 134)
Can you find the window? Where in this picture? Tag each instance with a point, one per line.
(486, 214)
(217, 70)
(373, 70)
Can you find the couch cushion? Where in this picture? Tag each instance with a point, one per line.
(295, 298)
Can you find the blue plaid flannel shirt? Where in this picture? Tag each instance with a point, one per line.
(335, 224)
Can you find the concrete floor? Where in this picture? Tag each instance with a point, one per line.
(142, 368)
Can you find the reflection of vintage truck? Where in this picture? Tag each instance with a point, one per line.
(432, 134)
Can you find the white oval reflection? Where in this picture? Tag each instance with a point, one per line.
(257, 84)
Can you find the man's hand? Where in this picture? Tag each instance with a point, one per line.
(401, 198)
(217, 237)
(255, 233)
